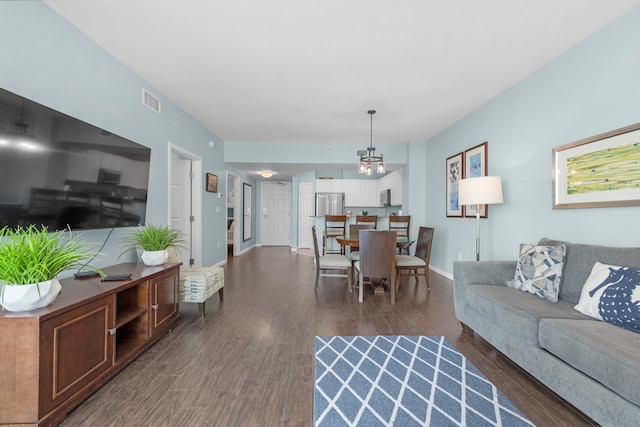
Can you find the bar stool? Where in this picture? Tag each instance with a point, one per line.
(367, 220)
(400, 224)
(334, 225)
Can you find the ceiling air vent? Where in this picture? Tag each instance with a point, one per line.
(150, 101)
(361, 153)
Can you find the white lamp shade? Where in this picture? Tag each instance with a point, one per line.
(482, 190)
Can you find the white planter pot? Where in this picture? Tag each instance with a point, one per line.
(29, 297)
(152, 258)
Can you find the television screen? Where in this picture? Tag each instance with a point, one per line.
(61, 172)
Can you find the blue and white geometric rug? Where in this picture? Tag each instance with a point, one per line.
(403, 381)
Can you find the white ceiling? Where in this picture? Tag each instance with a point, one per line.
(307, 71)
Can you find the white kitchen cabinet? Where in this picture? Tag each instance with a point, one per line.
(352, 189)
(369, 193)
(323, 185)
(395, 184)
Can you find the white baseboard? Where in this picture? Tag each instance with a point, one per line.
(441, 272)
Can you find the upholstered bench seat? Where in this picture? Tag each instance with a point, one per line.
(198, 284)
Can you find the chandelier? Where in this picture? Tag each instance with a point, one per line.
(21, 139)
(370, 158)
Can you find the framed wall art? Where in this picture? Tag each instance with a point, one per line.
(247, 217)
(601, 171)
(475, 165)
(212, 183)
(454, 172)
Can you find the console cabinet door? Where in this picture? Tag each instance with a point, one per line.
(76, 349)
(164, 300)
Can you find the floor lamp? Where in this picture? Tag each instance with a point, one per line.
(482, 190)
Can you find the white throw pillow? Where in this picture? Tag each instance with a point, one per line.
(539, 270)
(612, 293)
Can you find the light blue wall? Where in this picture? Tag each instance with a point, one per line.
(591, 89)
(45, 59)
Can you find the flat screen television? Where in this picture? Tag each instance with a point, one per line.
(61, 172)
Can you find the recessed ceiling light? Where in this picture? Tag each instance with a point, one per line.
(266, 174)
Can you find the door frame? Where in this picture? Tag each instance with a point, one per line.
(196, 199)
(237, 184)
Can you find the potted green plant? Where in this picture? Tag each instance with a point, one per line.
(152, 242)
(30, 260)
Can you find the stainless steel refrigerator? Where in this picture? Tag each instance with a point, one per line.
(329, 204)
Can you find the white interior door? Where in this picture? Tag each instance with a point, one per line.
(184, 210)
(305, 239)
(276, 213)
(180, 212)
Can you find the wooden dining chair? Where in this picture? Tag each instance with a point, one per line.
(354, 230)
(377, 260)
(334, 225)
(367, 220)
(401, 225)
(417, 264)
(331, 262)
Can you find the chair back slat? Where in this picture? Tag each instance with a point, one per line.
(354, 229)
(367, 220)
(401, 224)
(335, 225)
(377, 253)
(423, 245)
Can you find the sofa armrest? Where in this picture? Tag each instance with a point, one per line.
(467, 273)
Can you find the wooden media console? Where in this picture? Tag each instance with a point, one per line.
(53, 358)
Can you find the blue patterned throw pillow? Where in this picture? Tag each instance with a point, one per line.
(612, 293)
(539, 270)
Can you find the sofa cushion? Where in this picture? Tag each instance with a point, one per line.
(602, 351)
(580, 259)
(539, 270)
(612, 293)
(517, 313)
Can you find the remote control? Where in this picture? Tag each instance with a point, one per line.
(83, 274)
(115, 277)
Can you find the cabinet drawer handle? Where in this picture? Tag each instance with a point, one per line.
(154, 306)
(112, 331)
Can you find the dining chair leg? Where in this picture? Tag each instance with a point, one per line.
(392, 288)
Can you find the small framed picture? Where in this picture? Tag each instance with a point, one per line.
(212, 183)
(454, 171)
(475, 165)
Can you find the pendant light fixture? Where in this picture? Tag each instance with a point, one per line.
(367, 161)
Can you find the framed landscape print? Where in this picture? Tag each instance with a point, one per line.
(600, 171)
(475, 165)
(454, 171)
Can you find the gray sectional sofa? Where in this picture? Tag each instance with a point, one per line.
(592, 364)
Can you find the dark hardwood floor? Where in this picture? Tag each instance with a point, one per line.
(250, 361)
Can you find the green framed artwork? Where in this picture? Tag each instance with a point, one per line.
(600, 171)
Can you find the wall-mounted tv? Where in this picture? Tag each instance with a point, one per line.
(61, 172)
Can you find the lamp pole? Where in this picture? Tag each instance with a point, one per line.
(477, 232)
